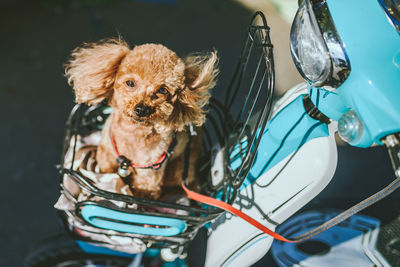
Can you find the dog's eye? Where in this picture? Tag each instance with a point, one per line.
(163, 91)
(130, 83)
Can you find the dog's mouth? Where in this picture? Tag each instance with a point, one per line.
(135, 118)
(142, 120)
(145, 120)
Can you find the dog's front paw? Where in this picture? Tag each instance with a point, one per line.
(105, 160)
(147, 194)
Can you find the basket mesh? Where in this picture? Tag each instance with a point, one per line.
(231, 135)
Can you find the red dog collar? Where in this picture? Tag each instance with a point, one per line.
(125, 163)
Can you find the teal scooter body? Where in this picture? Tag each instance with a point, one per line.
(372, 90)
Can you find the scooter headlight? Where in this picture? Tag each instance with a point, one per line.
(316, 48)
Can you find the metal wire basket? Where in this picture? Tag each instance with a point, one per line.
(249, 100)
(174, 224)
(231, 135)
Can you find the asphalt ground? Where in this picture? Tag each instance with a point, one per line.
(35, 100)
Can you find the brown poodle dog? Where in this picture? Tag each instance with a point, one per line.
(155, 95)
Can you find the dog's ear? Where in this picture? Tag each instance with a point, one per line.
(200, 76)
(92, 68)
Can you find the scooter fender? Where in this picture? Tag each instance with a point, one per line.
(296, 159)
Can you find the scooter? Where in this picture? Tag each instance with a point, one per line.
(349, 54)
(263, 161)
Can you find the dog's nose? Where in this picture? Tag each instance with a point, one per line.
(143, 111)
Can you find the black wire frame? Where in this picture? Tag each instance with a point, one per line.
(222, 127)
(257, 63)
(82, 121)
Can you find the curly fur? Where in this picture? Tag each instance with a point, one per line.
(99, 71)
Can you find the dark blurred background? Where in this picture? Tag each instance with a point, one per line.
(36, 39)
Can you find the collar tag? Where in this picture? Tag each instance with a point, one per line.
(123, 169)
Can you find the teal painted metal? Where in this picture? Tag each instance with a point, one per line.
(176, 263)
(372, 89)
(235, 158)
(130, 223)
(92, 249)
(328, 102)
(285, 133)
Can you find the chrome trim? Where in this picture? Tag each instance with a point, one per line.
(305, 6)
(340, 64)
(392, 143)
(392, 12)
